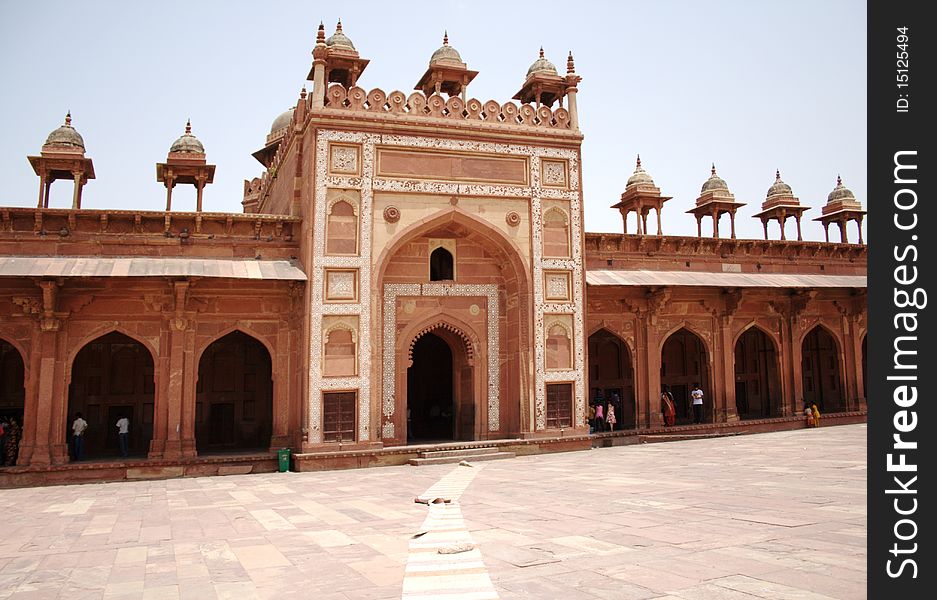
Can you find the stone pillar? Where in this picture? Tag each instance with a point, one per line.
(715, 217)
(732, 225)
(797, 367)
(573, 110)
(699, 226)
(843, 234)
(43, 192)
(169, 186)
(657, 209)
(179, 427)
(282, 365)
(859, 224)
(624, 219)
(652, 391)
(797, 220)
(727, 350)
(851, 363)
(199, 186)
(764, 223)
(782, 220)
(318, 83)
(76, 194)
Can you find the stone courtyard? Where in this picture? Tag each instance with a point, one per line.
(777, 515)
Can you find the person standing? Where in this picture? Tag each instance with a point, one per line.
(610, 416)
(599, 418)
(697, 395)
(667, 407)
(123, 434)
(79, 425)
(11, 443)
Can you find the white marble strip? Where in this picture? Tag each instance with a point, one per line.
(444, 563)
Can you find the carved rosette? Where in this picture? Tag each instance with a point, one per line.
(512, 218)
(391, 214)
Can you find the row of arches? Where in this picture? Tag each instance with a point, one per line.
(113, 376)
(757, 373)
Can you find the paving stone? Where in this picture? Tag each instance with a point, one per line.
(778, 515)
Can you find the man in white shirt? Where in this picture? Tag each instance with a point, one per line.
(78, 436)
(123, 434)
(697, 395)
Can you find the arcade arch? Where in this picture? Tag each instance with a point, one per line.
(234, 396)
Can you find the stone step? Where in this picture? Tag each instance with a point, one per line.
(461, 452)
(442, 460)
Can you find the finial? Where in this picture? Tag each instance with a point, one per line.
(714, 170)
(68, 118)
(338, 28)
(839, 181)
(541, 51)
(302, 93)
(445, 38)
(570, 65)
(188, 126)
(777, 175)
(320, 34)
(638, 166)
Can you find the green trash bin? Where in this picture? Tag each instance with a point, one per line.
(283, 459)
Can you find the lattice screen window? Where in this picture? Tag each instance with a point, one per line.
(559, 405)
(338, 416)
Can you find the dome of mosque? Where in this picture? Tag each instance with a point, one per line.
(640, 176)
(282, 121)
(714, 183)
(339, 40)
(779, 188)
(542, 65)
(187, 143)
(66, 136)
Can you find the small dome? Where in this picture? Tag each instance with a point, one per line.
(446, 53)
(779, 188)
(282, 121)
(66, 136)
(714, 183)
(640, 176)
(188, 143)
(543, 66)
(841, 192)
(339, 40)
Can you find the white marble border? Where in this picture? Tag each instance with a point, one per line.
(394, 290)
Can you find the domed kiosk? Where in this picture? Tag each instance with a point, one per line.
(780, 204)
(62, 157)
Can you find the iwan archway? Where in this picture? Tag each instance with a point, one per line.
(440, 386)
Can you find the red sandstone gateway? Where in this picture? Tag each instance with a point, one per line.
(410, 271)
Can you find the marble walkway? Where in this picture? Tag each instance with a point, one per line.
(771, 516)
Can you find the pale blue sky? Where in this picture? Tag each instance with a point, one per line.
(752, 86)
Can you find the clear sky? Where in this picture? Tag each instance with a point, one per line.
(752, 86)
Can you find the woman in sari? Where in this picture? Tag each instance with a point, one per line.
(667, 407)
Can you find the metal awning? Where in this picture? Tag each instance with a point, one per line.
(729, 280)
(96, 266)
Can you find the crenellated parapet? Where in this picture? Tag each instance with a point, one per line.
(434, 106)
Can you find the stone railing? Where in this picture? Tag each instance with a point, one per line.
(435, 106)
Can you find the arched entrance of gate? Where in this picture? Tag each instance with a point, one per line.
(440, 386)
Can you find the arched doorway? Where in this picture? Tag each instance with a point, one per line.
(430, 402)
(234, 396)
(611, 372)
(683, 363)
(12, 389)
(112, 376)
(757, 379)
(821, 370)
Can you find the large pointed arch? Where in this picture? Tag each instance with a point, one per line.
(611, 374)
(112, 375)
(822, 368)
(510, 333)
(685, 359)
(234, 394)
(756, 372)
